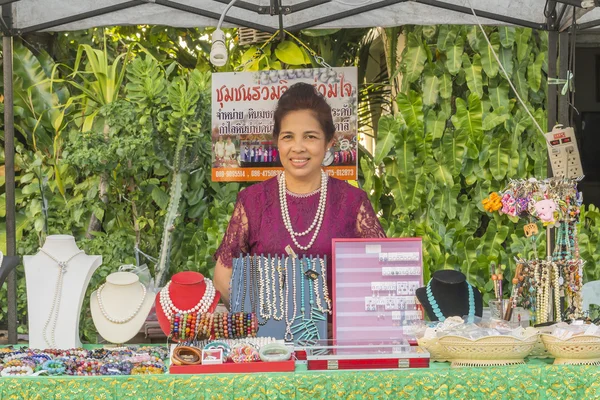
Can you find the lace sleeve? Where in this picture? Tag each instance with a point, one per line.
(235, 240)
(367, 223)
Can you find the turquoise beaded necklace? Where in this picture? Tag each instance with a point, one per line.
(436, 307)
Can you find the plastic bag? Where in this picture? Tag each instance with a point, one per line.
(143, 273)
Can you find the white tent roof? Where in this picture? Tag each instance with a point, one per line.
(61, 15)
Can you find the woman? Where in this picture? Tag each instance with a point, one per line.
(230, 150)
(303, 130)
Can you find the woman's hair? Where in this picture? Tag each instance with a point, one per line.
(303, 96)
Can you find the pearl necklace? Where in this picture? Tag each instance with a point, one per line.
(289, 336)
(316, 224)
(203, 305)
(303, 195)
(122, 320)
(55, 308)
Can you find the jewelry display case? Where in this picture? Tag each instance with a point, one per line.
(363, 354)
(373, 285)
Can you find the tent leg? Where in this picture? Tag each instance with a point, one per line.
(563, 66)
(9, 165)
(552, 105)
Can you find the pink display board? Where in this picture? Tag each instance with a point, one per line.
(374, 284)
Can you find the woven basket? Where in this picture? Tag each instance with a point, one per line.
(434, 348)
(578, 350)
(487, 351)
(539, 350)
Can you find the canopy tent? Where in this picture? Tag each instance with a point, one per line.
(60, 15)
(23, 16)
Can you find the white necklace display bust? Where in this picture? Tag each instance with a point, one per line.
(120, 307)
(57, 278)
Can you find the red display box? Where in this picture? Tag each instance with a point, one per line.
(233, 368)
(380, 363)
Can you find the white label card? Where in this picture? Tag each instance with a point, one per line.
(372, 248)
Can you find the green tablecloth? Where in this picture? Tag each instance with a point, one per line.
(535, 380)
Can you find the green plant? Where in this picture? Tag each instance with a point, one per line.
(459, 135)
(177, 111)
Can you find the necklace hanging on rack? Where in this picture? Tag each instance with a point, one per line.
(122, 320)
(316, 313)
(254, 294)
(305, 328)
(316, 224)
(55, 307)
(277, 289)
(325, 287)
(239, 268)
(264, 286)
(316, 266)
(291, 262)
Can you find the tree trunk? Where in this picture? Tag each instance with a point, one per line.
(95, 225)
(393, 47)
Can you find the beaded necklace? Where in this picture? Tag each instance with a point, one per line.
(436, 308)
(238, 267)
(325, 287)
(277, 289)
(122, 320)
(315, 263)
(55, 308)
(264, 307)
(291, 263)
(316, 224)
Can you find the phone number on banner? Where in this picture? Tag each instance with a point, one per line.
(261, 174)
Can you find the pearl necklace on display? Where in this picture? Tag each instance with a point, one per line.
(289, 336)
(122, 320)
(316, 224)
(54, 309)
(203, 305)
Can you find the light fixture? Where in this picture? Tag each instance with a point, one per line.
(218, 50)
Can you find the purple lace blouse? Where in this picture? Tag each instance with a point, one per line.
(256, 226)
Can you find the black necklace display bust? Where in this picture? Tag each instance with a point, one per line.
(451, 293)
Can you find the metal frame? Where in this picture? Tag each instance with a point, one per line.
(275, 8)
(9, 165)
(480, 13)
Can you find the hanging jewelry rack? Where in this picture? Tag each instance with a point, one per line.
(289, 295)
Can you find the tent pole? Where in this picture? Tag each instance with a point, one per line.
(563, 61)
(9, 165)
(552, 105)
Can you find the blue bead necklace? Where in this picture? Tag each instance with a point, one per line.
(436, 308)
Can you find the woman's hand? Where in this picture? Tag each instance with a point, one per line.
(221, 280)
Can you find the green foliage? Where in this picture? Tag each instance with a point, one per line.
(459, 135)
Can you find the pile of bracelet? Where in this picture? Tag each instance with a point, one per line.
(234, 350)
(226, 326)
(16, 362)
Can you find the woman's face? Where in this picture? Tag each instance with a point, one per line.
(301, 144)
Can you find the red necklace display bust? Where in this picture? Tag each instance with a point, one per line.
(186, 291)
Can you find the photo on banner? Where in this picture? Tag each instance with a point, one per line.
(243, 103)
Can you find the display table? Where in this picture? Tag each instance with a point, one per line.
(536, 380)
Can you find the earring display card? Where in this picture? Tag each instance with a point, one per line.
(374, 285)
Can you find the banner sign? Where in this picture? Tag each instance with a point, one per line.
(243, 104)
